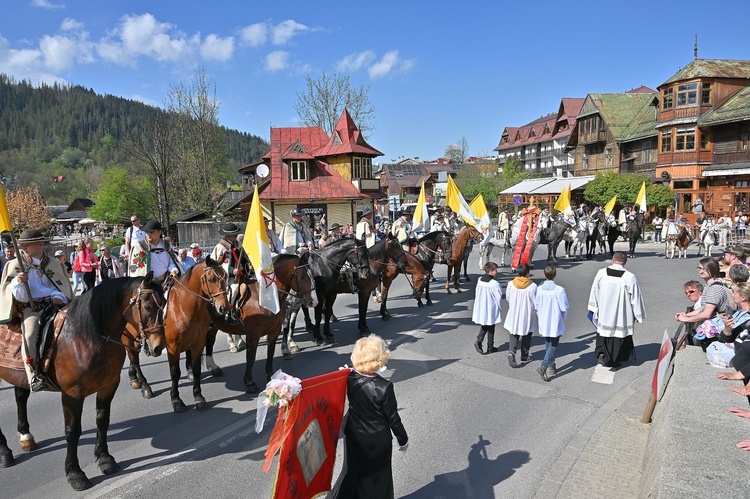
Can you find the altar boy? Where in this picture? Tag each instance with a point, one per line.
(521, 319)
(551, 308)
(487, 307)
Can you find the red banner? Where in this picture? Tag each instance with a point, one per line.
(308, 437)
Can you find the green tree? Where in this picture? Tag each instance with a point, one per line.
(483, 178)
(626, 187)
(119, 196)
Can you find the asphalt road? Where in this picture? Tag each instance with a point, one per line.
(478, 428)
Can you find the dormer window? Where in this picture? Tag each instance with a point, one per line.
(298, 171)
(361, 167)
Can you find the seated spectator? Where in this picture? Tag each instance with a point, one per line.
(694, 292)
(713, 300)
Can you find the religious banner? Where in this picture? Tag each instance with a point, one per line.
(663, 367)
(307, 432)
(255, 245)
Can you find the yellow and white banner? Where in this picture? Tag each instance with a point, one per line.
(421, 215)
(610, 206)
(256, 246)
(5, 224)
(641, 199)
(563, 202)
(479, 208)
(458, 204)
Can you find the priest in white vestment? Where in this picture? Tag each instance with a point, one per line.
(521, 319)
(551, 305)
(487, 307)
(615, 303)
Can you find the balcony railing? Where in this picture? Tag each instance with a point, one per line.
(367, 184)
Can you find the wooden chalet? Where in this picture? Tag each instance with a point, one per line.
(704, 135)
(321, 175)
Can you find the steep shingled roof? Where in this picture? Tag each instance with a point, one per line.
(347, 139)
(736, 108)
(711, 68)
(619, 111)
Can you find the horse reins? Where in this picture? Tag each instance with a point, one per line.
(143, 331)
(204, 287)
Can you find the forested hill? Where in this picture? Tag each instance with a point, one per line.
(55, 131)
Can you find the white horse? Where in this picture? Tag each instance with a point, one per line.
(500, 240)
(576, 236)
(708, 242)
(516, 230)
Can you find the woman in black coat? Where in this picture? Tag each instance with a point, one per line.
(372, 416)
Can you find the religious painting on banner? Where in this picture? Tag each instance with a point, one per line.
(308, 436)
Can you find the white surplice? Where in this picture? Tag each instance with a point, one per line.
(551, 309)
(521, 318)
(616, 302)
(488, 302)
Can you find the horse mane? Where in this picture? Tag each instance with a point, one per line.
(377, 249)
(91, 315)
(284, 256)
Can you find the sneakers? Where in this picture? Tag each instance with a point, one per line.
(493, 350)
(37, 384)
(552, 370)
(543, 373)
(512, 360)
(478, 347)
(525, 360)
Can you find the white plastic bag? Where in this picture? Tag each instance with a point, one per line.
(720, 354)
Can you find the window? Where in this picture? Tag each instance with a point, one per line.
(744, 139)
(361, 167)
(705, 139)
(666, 141)
(299, 171)
(686, 94)
(685, 139)
(608, 158)
(667, 99)
(706, 93)
(585, 163)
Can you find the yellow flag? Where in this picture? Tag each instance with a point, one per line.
(421, 215)
(610, 206)
(458, 204)
(485, 224)
(563, 202)
(4, 215)
(641, 199)
(255, 245)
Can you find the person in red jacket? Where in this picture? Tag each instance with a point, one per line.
(89, 263)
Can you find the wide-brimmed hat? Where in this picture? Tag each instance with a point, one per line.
(59, 253)
(735, 250)
(295, 212)
(32, 236)
(230, 229)
(407, 211)
(195, 245)
(366, 212)
(439, 216)
(335, 226)
(152, 226)
(448, 209)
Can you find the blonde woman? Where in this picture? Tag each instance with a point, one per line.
(372, 417)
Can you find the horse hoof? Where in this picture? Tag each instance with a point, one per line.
(108, 465)
(287, 355)
(217, 372)
(6, 459)
(179, 406)
(294, 349)
(135, 384)
(458, 290)
(251, 387)
(448, 291)
(28, 445)
(330, 339)
(147, 393)
(319, 341)
(420, 304)
(79, 481)
(429, 303)
(201, 405)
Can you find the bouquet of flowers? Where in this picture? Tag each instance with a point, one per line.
(281, 390)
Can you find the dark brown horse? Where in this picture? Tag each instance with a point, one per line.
(192, 299)
(417, 275)
(292, 274)
(87, 359)
(458, 247)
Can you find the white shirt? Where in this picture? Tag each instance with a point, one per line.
(39, 284)
(551, 309)
(134, 234)
(521, 318)
(160, 260)
(487, 302)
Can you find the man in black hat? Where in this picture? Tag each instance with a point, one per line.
(335, 233)
(47, 280)
(238, 269)
(433, 217)
(294, 235)
(402, 228)
(153, 254)
(439, 223)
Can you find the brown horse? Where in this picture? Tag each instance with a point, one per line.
(192, 299)
(88, 357)
(417, 275)
(292, 274)
(458, 253)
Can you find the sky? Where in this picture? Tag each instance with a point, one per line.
(437, 71)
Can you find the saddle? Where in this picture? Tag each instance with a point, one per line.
(51, 322)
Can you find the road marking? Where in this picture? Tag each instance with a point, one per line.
(603, 375)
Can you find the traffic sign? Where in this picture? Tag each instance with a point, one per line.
(517, 200)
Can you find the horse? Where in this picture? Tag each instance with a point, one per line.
(87, 358)
(555, 234)
(681, 241)
(459, 244)
(634, 230)
(544, 219)
(708, 242)
(501, 240)
(293, 276)
(434, 247)
(613, 232)
(191, 301)
(576, 236)
(593, 235)
(417, 275)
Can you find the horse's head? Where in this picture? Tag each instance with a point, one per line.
(445, 242)
(214, 284)
(303, 282)
(611, 220)
(473, 233)
(360, 258)
(147, 303)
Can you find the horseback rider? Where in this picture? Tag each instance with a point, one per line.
(707, 225)
(335, 233)
(439, 223)
(236, 264)
(503, 222)
(669, 231)
(624, 217)
(451, 220)
(434, 216)
(152, 253)
(47, 280)
(294, 235)
(402, 228)
(364, 229)
(274, 243)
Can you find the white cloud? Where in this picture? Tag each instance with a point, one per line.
(216, 48)
(69, 24)
(254, 34)
(145, 100)
(25, 64)
(59, 53)
(285, 30)
(355, 62)
(46, 4)
(391, 62)
(276, 61)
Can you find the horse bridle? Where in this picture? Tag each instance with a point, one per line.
(209, 298)
(296, 279)
(143, 330)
